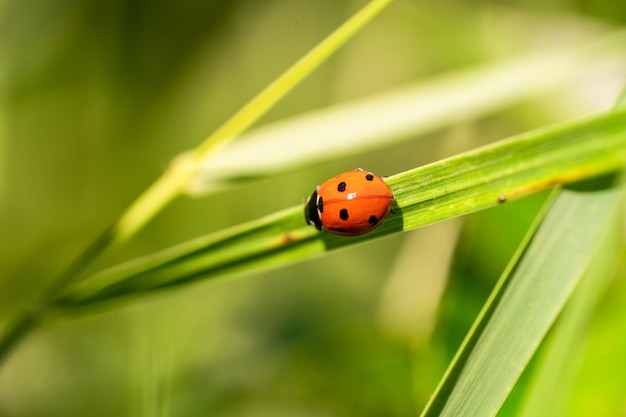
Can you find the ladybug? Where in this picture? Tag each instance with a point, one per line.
(350, 204)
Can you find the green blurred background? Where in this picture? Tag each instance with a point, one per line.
(96, 97)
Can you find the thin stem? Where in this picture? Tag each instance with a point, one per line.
(269, 96)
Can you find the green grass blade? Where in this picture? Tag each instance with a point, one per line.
(508, 169)
(472, 181)
(555, 372)
(569, 239)
(553, 377)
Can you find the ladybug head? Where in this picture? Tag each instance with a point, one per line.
(311, 210)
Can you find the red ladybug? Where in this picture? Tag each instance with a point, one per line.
(350, 204)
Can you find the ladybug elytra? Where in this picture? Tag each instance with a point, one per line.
(350, 204)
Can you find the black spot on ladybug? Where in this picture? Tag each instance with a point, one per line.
(369, 177)
(343, 214)
(372, 220)
(341, 187)
(320, 205)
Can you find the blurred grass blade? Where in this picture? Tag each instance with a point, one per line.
(459, 185)
(396, 115)
(572, 235)
(621, 102)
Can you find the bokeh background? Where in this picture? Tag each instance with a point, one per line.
(98, 96)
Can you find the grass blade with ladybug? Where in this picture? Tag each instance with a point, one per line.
(478, 179)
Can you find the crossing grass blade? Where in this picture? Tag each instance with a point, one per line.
(551, 383)
(553, 377)
(570, 239)
(452, 187)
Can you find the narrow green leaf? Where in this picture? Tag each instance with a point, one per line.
(508, 169)
(553, 377)
(556, 370)
(472, 181)
(571, 236)
(253, 245)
